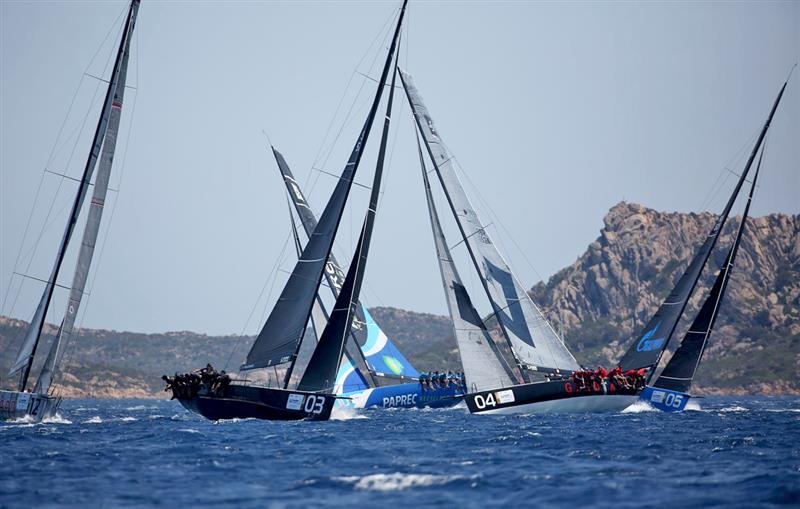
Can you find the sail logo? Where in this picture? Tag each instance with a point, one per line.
(393, 364)
(647, 344)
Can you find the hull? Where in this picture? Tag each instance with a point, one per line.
(665, 400)
(410, 395)
(246, 402)
(29, 406)
(557, 396)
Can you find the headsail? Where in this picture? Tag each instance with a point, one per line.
(27, 351)
(681, 368)
(278, 340)
(653, 340)
(484, 366)
(533, 341)
(379, 352)
(92, 227)
(323, 368)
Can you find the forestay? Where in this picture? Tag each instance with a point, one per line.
(533, 341)
(483, 366)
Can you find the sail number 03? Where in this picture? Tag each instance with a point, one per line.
(314, 404)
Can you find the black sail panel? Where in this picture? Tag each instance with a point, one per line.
(324, 365)
(681, 368)
(278, 340)
(646, 351)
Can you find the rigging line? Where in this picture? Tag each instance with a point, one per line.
(347, 86)
(61, 182)
(50, 160)
(735, 160)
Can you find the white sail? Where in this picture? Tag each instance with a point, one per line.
(533, 340)
(483, 366)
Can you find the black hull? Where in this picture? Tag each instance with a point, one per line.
(554, 396)
(246, 402)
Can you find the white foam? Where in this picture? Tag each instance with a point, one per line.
(346, 414)
(397, 481)
(56, 419)
(693, 405)
(734, 408)
(638, 407)
(189, 430)
(94, 420)
(128, 419)
(137, 407)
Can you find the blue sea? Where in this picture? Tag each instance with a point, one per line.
(727, 452)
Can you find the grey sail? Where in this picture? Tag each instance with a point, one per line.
(484, 367)
(24, 359)
(280, 336)
(533, 341)
(92, 228)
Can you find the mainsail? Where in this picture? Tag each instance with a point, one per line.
(379, 354)
(278, 340)
(653, 340)
(109, 120)
(484, 366)
(92, 227)
(681, 368)
(323, 368)
(533, 341)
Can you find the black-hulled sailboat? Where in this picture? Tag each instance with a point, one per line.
(670, 391)
(280, 339)
(537, 379)
(41, 402)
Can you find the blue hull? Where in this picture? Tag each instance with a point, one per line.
(665, 400)
(409, 395)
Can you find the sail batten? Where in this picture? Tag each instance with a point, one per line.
(24, 359)
(654, 338)
(292, 310)
(530, 336)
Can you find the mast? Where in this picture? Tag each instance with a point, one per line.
(484, 365)
(27, 351)
(532, 340)
(646, 352)
(324, 364)
(681, 368)
(278, 341)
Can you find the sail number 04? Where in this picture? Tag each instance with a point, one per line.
(482, 402)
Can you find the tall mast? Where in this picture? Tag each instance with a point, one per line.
(646, 352)
(324, 364)
(682, 366)
(278, 341)
(24, 360)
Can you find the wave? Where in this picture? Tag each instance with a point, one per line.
(734, 408)
(94, 420)
(56, 419)
(693, 405)
(397, 481)
(638, 407)
(128, 419)
(346, 414)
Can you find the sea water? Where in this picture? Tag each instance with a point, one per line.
(726, 452)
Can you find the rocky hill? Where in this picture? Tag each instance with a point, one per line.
(607, 295)
(600, 302)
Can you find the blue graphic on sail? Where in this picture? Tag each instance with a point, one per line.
(349, 379)
(647, 344)
(381, 354)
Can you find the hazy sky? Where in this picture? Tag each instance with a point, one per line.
(555, 111)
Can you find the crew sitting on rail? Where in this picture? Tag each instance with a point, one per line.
(206, 380)
(441, 380)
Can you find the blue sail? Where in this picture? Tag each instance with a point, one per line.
(382, 355)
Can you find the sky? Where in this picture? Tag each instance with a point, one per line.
(555, 112)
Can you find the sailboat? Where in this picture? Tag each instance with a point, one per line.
(374, 373)
(669, 392)
(280, 338)
(536, 380)
(41, 403)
